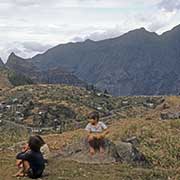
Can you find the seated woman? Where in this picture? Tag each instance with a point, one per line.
(32, 159)
(97, 131)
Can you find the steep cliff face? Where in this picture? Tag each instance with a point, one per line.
(53, 75)
(136, 63)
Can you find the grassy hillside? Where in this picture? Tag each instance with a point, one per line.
(125, 116)
(159, 141)
(39, 105)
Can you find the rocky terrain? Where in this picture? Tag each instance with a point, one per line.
(143, 142)
(152, 67)
(62, 107)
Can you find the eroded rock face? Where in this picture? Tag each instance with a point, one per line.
(170, 115)
(114, 152)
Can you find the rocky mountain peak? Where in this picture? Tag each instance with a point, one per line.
(14, 60)
(89, 41)
(13, 56)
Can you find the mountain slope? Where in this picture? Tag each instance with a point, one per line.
(4, 81)
(136, 63)
(54, 75)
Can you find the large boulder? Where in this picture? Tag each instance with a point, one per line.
(118, 151)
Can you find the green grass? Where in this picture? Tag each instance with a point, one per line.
(67, 170)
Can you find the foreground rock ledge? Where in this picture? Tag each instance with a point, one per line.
(118, 151)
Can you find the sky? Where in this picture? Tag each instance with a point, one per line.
(30, 27)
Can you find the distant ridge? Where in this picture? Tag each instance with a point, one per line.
(53, 75)
(137, 63)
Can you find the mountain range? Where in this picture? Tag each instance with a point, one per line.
(137, 63)
(51, 75)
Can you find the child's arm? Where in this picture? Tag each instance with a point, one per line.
(102, 135)
(23, 155)
(105, 132)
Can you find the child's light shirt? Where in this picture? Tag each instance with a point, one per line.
(45, 151)
(98, 128)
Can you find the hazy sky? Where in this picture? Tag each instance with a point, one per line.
(28, 27)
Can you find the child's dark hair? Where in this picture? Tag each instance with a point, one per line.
(34, 143)
(94, 115)
(41, 139)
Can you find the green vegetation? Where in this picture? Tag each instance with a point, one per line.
(19, 79)
(11, 134)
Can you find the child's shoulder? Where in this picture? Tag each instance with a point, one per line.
(89, 124)
(101, 122)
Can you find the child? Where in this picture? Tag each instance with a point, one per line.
(44, 149)
(32, 159)
(97, 131)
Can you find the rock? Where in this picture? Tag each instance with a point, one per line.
(169, 115)
(128, 153)
(133, 140)
(114, 152)
(166, 106)
(125, 103)
(149, 105)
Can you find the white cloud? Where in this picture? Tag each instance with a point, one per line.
(31, 26)
(169, 5)
(100, 34)
(23, 49)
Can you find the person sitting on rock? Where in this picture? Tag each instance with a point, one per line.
(97, 131)
(31, 159)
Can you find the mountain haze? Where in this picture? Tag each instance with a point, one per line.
(136, 63)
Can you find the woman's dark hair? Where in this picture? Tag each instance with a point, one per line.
(34, 143)
(41, 139)
(94, 115)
